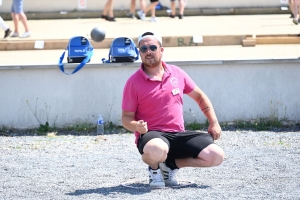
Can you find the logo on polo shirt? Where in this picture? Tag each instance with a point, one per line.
(174, 81)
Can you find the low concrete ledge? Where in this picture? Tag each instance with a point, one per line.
(239, 89)
(71, 66)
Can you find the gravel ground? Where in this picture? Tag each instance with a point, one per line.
(258, 165)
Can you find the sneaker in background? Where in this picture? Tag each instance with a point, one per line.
(155, 178)
(180, 16)
(154, 19)
(130, 15)
(25, 35)
(14, 34)
(111, 19)
(295, 21)
(169, 175)
(7, 33)
(104, 17)
(141, 14)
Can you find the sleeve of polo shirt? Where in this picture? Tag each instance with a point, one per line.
(129, 102)
(189, 84)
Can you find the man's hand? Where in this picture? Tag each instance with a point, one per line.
(215, 130)
(142, 127)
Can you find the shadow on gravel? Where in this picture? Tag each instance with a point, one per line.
(133, 189)
(111, 190)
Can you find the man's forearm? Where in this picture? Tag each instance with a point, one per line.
(129, 123)
(208, 110)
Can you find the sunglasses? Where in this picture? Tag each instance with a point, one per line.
(152, 48)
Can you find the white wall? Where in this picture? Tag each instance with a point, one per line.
(239, 90)
(94, 5)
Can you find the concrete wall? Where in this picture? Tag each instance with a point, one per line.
(239, 90)
(94, 5)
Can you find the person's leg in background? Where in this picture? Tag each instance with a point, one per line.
(17, 13)
(143, 12)
(173, 9)
(132, 9)
(291, 8)
(182, 4)
(108, 11)
(295, 11)
(153, 17)
(143, 4)
(16, 25)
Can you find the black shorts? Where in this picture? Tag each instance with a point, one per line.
(181, 145)
(153, 1)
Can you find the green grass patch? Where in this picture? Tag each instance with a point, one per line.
(257, 125)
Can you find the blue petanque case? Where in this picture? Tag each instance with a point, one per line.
(79, 51)
(78, 48)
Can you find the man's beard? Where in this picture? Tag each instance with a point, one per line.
(152, 64)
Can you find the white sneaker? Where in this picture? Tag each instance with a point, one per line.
(169, 175)
(130, 15)
(155, 178)
(25, 35)
(295, 21)
(14, 34)
(141, 14)
(154, 19)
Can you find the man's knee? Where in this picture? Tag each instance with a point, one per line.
(213, 155)
(155, 151)
(156, 148)
(217, 159)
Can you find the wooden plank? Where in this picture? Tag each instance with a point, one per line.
(48, 44)
(218, 40)
(278, 40)
(278, 35)
(249, 42)
(174, 41)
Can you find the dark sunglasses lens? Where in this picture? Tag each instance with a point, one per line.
(143, 49)
(153, 48)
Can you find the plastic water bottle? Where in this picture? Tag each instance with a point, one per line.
(100, 125)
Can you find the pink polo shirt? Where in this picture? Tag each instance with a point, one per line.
(159, 103)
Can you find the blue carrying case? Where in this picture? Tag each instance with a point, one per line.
(79, 50)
